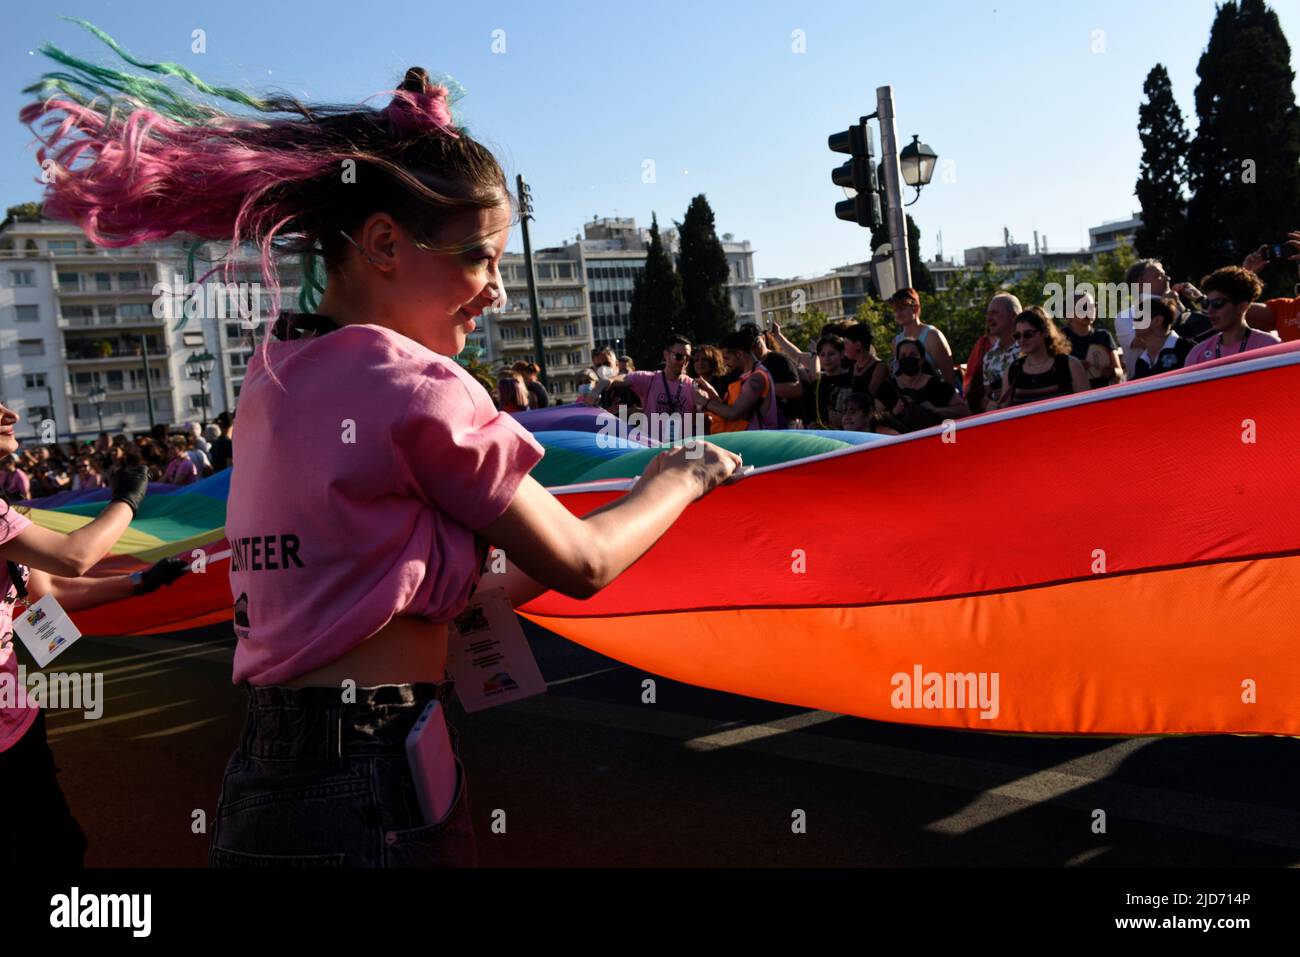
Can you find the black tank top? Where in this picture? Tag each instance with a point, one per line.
(1033, 386)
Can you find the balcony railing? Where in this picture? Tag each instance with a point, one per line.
(117, 354)
(100, 322)
(124, 389)
(143, 253)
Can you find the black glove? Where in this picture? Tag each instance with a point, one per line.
(161, 573)
(129, 485)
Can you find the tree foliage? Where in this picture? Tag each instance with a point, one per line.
(1244, 164)
(1163, 175)
(658, 307)
(702, 264)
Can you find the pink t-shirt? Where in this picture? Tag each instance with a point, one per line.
(15, 721)
(16, 483)
(361, 478)
(659, 394)
(1204, 351)
(180, 471)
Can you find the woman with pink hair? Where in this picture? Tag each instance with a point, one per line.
(373, 470)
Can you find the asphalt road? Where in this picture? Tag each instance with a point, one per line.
(590, 776)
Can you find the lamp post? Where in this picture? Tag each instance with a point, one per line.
(53, 415)
(200, 365)
(916, 162)
(96, 397)
(148, 387)
(526, 214)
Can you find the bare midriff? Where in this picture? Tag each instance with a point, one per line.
(407, 650)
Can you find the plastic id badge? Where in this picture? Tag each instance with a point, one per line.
(45, 630)
(433, 766)
(488, 655)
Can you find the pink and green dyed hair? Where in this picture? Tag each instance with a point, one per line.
(136, 160)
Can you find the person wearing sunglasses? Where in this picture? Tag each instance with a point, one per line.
(1229, 293)
(671, 389)
(1045, 368)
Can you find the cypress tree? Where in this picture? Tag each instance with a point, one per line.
(1163, 174)
(658, 309)
(704, 273)
(1244, 164)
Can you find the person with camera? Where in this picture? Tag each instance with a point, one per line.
(1275, 315)
(35, 562)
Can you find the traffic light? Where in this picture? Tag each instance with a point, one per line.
(859, 173)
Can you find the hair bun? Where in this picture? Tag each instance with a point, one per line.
(416, 80)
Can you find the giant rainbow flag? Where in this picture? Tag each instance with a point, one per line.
(1126, 561)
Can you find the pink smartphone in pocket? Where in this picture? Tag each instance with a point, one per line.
(433, 765)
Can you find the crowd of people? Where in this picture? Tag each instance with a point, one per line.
(761, 380)
(178, 455)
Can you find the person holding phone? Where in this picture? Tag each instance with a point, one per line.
(1275, 315)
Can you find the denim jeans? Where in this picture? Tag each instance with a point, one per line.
(320, 783)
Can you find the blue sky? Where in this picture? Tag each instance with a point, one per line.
(1041, 130)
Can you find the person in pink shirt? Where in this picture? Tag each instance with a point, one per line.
(35, 562)
(1229, 293)
(15, 486)
(180, 467)
(86, 476)
(668, 392)
(374, 472)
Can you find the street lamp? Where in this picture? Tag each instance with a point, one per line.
(96, 397)
(200, 365)
(916, 163)
(53, 415)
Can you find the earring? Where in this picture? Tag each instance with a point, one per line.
(359, 249)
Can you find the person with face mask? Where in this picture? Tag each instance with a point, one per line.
(916, 398)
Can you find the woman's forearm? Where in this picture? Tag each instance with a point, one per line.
(579, 556)
(519, 586)
(627, 528)
(78, 594)
(92, 542)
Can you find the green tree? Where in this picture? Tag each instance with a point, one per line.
(658, 307)
(704, 271)
(1163, 174)
(22, 213)
(808, 330)
(1244, 164)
